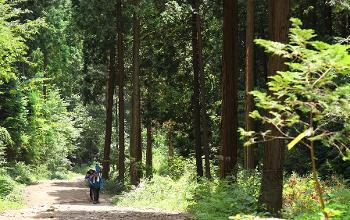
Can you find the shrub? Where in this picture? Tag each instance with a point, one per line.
(161, 192)
(113, 186)
(10, 193)
(220, 199)
(7, 185)
(300, 200)
(21, 173)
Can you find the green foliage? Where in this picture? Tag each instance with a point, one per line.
(52, 135)
(300, 200)
(161, 192)
(113, 186)
(310, 100)
(204, 199)
(7, 185)
(221, 199)
(13, 35)
(5, 139)
(10, 193)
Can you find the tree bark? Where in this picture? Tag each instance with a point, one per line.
(109, 114)
(229, 90)
(249, 81)
(203, 97)
(135, 137)
(346, 24)
(197, 62)
(149, 155)
(272, 180)
(328, 18)
(121, 103)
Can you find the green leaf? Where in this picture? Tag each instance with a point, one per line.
(296, 140)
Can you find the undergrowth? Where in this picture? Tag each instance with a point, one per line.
(10, 193)
(301, 202)
(177, 189)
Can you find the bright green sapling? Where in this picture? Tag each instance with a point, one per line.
(309, 103)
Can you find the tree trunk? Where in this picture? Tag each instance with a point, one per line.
(109, 114)
(274, 150)
(328, 18)
(229, 90)
(346, 24)
(170, 148)
(203, 96)
(135, 137)
(121, 105)
(249, 81)
(149, 155)
(196, 60)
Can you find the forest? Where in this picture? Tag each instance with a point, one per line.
(211, 109)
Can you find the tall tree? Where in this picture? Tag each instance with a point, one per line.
(121, 103)
(249, 80)
(274, 150)
(135, 136)
(109, 113)
(203, 95)
(229, 90)
(328, 16)
(197, 68)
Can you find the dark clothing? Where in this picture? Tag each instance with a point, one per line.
(91, 196)
(95, 183)
(95, 194)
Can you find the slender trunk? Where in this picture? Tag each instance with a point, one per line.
(229, 97)
(328, 18)
(205, 135)
(314, 16)
(316, 181)
(203, 95)
(346, 24)
(170, 148)
(109, 114)
(149, 155)
(121, 105)
(314, 173)
(249, 81)
(135, 137)
(196, 86)
(274, 150)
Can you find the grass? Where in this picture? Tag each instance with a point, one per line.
(11, 193)
(161, 193)
(204, 199)
(219, 200)
(9, 205)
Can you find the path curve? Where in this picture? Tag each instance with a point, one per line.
(69, 200)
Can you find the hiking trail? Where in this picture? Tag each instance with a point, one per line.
(69, 200)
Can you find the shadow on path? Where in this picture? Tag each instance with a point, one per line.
(96, 214)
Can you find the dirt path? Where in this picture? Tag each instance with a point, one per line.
(69, 200)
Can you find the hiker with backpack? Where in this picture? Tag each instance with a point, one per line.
(95, 184)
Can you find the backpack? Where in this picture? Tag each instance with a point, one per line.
(96, 182)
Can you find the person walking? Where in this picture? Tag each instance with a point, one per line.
(95, 183)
